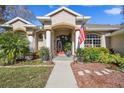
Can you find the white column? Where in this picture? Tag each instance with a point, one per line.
(77, 33)
(48, 39)
(43, 39)
(103, 41)
(72, 43)
(35, 43)
(30, 38)
(77, 44)
(52, 42)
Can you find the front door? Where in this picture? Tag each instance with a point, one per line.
(61, 44)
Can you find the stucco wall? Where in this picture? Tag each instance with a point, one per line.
(41, 43)
(31, 42)
(18, 25)
(117, 43)
(63, 16)
(61, 32)
(108, 42)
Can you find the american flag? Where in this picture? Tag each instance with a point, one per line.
(82, 35)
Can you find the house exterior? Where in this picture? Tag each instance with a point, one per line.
(63, 25)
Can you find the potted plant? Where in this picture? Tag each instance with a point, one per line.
(44, 52)
(67, 48)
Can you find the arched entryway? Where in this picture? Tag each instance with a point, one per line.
(62, 39)
(63, 44)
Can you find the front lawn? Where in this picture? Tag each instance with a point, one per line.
(24, 77)
(28, 62)
(31, 62)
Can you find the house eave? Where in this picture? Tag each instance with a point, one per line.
(118, 32)
(31, 26)
(83, 18)
(101, 29)
(6, 26)
(43, 18)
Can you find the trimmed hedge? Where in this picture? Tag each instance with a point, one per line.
(101, 55)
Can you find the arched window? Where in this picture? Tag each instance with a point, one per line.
(92, 40)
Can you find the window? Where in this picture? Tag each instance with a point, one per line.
(92, 40)
(40, 37)
(29, 30)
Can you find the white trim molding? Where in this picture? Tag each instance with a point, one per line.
(17, 18)
(77, 33)
(48, 39)
(103, 41)
(63, 8)
(43, 18)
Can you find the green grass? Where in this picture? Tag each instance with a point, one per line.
(24, 77)
(31, 62)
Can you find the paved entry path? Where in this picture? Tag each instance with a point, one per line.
(61, 76)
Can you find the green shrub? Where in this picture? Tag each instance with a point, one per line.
(101, 55)
(102, 49)
(67, 46)
(112, 59)
(116, 59)
(91, 54)
(104, 58)
(121, 65)
(80, 52)
(44, 53)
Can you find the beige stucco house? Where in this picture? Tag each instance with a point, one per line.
(63, 25)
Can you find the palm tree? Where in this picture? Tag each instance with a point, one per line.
(12, 46)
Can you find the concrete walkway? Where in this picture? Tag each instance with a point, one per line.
(61, 76)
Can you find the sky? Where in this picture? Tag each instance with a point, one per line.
(104, 14)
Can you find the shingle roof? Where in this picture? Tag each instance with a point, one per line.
(118, 32)
(102, 26)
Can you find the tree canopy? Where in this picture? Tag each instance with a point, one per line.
(8, 12)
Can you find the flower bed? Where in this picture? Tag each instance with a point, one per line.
(92, 80)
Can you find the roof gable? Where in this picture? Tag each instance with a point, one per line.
(17, 19)
(61, 9)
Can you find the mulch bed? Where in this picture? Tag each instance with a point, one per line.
(112, 80)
